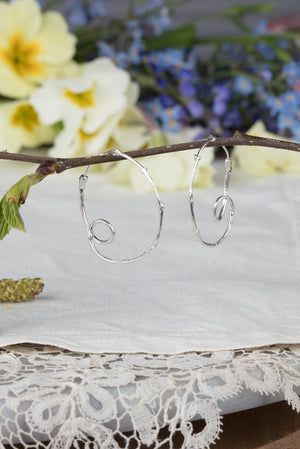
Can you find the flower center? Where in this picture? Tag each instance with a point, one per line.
(25, 116)
(84, 137)
(83, 99)
(21, 56)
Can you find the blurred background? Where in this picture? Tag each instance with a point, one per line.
(193, 8)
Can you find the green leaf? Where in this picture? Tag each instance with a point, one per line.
(10, 203)
(260, 8)
(12, 215)
(9, 217)
(58, 127)
(281, 54)
(4, 226)
(184, 36)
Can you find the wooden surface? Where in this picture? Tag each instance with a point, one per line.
(290, 442)
(262, 427)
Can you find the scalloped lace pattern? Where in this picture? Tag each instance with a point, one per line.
(57, 398)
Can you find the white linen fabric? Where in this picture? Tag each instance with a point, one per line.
(182, 297)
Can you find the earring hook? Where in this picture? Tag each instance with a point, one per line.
(220, 203)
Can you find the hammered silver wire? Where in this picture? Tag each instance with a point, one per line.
(220, 203)
(90, 227)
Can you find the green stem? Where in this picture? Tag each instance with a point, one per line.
(238, 23)
(246, 40)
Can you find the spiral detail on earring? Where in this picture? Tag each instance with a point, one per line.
(90, 227)
(221, 202)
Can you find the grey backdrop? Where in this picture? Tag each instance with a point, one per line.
(195, 8)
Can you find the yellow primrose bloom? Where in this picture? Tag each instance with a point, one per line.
(82, 99)
(127, 131)
(261, 161)
(20, 126)
(33, 45)
(95, 107)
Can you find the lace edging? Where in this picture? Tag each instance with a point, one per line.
(56, 397)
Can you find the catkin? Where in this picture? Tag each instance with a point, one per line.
(20, 290)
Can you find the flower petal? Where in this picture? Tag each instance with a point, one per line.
(6, 23)
(15, 134)
(53, 32)
(106, 73)
(108, 103)
(21, 16)
(12, 85)
(166, 171)
(27, 17)
(132, 132)
(48, 102)
(133, 93)
(261, 161)
(30, 42)
(98, 142)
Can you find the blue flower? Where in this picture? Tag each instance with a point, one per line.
(234, 52)
(120, 58)
(135, 52)
(161, 81)
(261, 27)
(286, 121)
(171, 118)
(219, 107)
(166, 101)
(233, 119)
(266, 51)
(187, 75)
(161, 22)
(262, 47)
(187, 89)
(176, 61)
(167, 59)
(243, 85)
(221, 95)
(154, 23)
(222, 92)
(195, 108)
(264, 73)
(79, 13)
(96, 8)
(275, 104)
(296, 131)
(153, 106)
(291, 72)
(75, 13)
(290, 99)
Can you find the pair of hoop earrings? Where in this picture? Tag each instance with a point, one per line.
(219, 207)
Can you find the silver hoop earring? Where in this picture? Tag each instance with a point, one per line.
(92, 237)
(220, 203)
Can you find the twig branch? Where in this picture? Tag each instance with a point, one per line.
(62, 164)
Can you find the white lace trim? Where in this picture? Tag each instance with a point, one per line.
(56, 397)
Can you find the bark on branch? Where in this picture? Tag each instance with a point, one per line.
(61, 164)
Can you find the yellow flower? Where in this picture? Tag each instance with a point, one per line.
(170, 171)
(262, 161)
(96, 108)
(20, 126)
(32, 46)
